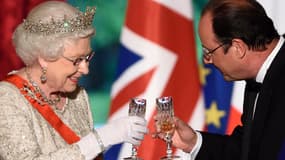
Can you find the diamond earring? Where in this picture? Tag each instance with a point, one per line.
(43, 76)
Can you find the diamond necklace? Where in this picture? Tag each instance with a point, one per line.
(38, 90)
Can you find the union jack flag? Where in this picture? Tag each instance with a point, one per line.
(157, 58)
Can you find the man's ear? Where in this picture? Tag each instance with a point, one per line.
(240, 47)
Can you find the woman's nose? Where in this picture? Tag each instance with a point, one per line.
(84, 67)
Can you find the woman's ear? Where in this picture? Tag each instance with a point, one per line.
(43, 63)
(240, 47)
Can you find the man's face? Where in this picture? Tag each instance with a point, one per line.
(214, 52)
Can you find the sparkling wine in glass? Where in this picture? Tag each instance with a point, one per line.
(137, 107)
(165, 124)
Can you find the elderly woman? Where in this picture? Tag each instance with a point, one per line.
(44, 114)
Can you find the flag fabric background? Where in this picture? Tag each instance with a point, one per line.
(157, 58)
(11, 14)
(221, 100)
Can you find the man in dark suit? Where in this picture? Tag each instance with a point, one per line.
(241, 41)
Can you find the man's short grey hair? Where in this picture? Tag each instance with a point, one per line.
(29, 46)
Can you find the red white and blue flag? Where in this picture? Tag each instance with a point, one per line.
(157, 58)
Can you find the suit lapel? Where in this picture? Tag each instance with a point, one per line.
(249, 100)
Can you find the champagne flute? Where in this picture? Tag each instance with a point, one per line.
(137, 107)
(165, 121)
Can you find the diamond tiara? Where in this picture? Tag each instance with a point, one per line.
(81, 21)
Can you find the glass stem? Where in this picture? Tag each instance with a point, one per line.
(169, 149)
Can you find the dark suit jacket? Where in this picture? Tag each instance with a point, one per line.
(267, 130)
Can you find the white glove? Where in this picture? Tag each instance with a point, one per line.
(129, 129)
(89, 146)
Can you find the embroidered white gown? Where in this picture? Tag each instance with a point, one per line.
(26, 135)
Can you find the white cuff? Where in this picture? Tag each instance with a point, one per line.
(194, 152)
(90, 146)
(99, 140)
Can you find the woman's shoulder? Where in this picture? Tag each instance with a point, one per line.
(8, 89)
(10, 97)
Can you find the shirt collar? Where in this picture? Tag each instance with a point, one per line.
(263, 69)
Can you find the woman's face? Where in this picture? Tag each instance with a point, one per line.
(63, 74)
